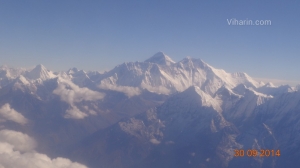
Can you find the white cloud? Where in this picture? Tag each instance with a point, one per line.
(155, 141)
(8, 113)
(71, 93)
(133, 91)
(20, 141)
(158, 89)
(170, 142)
(13, 155)
(92, 112)
(74, 112)
(129, 91)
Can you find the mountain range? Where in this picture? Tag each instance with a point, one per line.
(155, 113)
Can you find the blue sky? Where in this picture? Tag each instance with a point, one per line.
(98, 35)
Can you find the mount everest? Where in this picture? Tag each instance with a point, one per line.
(156, 113)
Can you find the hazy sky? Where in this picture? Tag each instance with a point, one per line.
(98, 35)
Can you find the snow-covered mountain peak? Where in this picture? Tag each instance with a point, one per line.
(194, 93)
(270, 84)
(76, 72)
(189, 58)
(193, 63)
(224, 91)
(40, 67)
(177, 77)
(40, 72)
(72, 70)
(241, 77)
(241, 89)
(161, 59)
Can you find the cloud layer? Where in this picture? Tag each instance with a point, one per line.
(129, 91)
(134, 91)
(17, 150)
(20, 141)
(71, 93)
(158, 89)
(7, 113)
